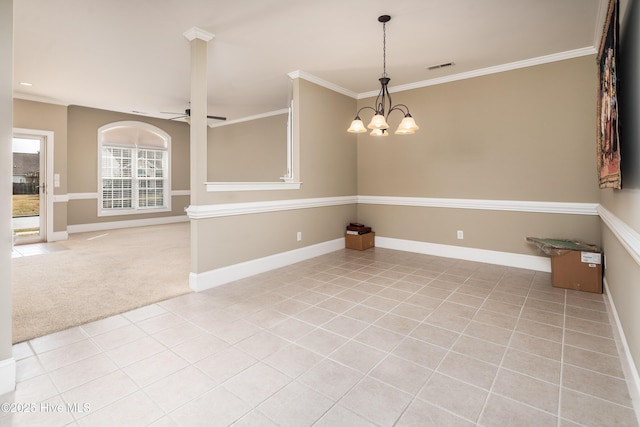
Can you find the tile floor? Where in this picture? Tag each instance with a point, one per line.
(373, 338)
(36, 249)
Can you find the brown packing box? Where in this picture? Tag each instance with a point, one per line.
(577, 270)
(360, 241)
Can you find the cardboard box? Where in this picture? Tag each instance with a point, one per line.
(577, 270)
(360, 241)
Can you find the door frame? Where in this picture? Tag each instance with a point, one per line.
(46, 229)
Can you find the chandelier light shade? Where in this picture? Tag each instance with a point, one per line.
(384, 106)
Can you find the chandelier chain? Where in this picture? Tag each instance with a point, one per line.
(383, 104)
(384, 49)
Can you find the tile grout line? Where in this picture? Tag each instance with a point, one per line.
(564, 322)
(387, 354)
(448, 350)
(508, 346)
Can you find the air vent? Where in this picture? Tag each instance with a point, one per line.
(438, 66)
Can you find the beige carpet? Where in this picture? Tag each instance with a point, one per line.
(96, 275)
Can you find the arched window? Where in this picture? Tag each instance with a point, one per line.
(134, 173)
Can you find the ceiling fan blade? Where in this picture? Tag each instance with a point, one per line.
(177, 115)
(188, 112)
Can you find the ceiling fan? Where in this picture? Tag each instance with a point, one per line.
(187, 116)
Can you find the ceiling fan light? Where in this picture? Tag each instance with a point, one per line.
(378, 122)
(357, 126)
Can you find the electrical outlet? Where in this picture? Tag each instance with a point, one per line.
(460, 234)
(299, 236)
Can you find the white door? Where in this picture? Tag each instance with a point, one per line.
(29, 200)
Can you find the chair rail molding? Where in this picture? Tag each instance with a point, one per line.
(627, 236)
(570, 208)
(231, 209)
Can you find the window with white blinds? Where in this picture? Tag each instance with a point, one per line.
(117, 180)
(151, 173)
(134, 172)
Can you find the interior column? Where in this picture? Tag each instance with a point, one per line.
(7, 363)
(198, 133)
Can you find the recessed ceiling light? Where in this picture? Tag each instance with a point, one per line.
(437, 66)
(26, 84)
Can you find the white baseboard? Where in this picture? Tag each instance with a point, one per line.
(211, 279)
(529, 262)
(626, 359)
(7, 375)
(112, 225)
(57, 236)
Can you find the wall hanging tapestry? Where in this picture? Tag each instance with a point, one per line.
(607, 132)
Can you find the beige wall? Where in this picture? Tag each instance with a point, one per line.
(46, 117)
(522, 135)
(622, 276)
(526, 134)
(232, 240)
(483, 229)
(327, 159)
(52, 118)
(328, 154)
(83, 125)
(75, 158)
(625, 204)
(258, 149)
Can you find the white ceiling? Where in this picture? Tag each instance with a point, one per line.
(131, 55)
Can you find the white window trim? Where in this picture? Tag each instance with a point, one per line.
(287, 182)
(251, 186)
(167, 189)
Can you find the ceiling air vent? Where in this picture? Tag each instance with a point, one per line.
(438, 66)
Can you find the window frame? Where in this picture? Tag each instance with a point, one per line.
(136, 129)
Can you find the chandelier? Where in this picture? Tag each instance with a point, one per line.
(384, 106)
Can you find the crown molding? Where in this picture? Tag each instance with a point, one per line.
(320, 82)
(576, 53)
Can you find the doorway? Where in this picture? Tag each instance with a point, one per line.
(29, 198)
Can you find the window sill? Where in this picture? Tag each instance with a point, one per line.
(139, 211)
(251, 186)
